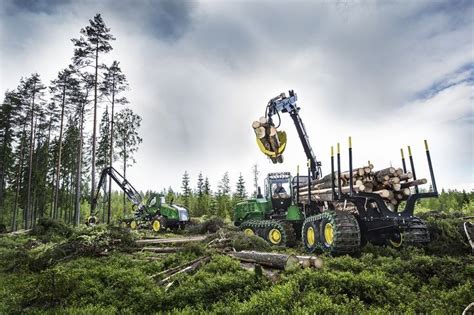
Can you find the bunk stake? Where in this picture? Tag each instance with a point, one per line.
(333, 185)
(297, 184)
(412, 167)
(339, 184)
(309, 182)
(403, 161)
(350, 168)
(428, 157)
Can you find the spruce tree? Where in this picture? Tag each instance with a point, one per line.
(186, 189)
(240, 193)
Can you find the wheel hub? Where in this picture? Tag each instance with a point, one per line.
(156, 225)
(249, 232)
(274, 236)
(329, 233)
(310, 239)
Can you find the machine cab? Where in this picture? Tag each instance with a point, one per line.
(278, 189)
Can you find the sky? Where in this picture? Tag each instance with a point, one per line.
(387, 73)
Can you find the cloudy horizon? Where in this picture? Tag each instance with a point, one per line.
(387, 73)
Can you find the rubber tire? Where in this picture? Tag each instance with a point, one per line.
(317, 240)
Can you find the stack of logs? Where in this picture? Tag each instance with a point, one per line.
(267, 134)
(392, 184)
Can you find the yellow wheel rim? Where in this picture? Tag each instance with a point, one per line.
(397, 244)
(156, 225)
(249, 232)
(274, 236)
(133, 225)
(310, 236)
(329, 233)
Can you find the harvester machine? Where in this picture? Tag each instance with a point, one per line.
(336, 213)
(154, 214)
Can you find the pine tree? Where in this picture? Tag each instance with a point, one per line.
(8, 117)
(31, 90)
(128, 140)
(113, 84)
(59, 91)
(95, 40)
(103, 147)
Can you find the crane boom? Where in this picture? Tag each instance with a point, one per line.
(285, 104)
(132, 194)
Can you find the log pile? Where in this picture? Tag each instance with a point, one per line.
(267, 134)
(392, 184)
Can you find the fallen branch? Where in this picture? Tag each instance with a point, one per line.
(176, 269)
(196, 265)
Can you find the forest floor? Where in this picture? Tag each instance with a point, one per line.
(100, 270)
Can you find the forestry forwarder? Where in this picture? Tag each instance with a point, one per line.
(156, 215)
(322, 224)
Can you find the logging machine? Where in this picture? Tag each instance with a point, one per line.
(337, 217)
(155, 214)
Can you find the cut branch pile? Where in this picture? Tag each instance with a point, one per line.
(392, 184)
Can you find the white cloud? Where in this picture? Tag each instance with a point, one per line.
(357, 68)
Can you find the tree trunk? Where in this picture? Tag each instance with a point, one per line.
(58, 167)
(18, 178)
(111, 155)
(95, 121)
(124, 170)
(28, 202)
(274, 260)
(77, 208)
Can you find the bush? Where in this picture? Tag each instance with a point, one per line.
(47, 229)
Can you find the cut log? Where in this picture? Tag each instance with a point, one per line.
(415, 183)
(406, 176)
(255, 124)
(197, 238)
(274, 260)
(310, 261)
(163, 249)
(271, 274)
(386, 171)
(384, 193)
(260, 132)
(262, 120)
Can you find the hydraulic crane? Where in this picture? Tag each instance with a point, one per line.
(156, 214)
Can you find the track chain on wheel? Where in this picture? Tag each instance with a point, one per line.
(416, 233)
(264, 228)
(334, 232)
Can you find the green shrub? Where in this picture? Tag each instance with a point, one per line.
(47, 229)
